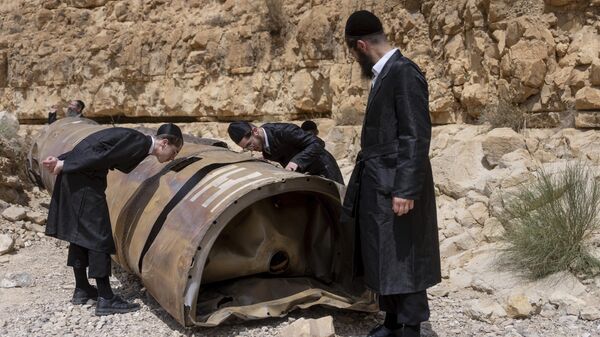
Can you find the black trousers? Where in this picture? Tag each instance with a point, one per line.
(98, 262)
(411, 309)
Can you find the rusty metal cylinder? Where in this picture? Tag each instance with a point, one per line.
(218, 235)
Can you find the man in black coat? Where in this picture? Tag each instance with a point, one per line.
(287, 144)
(75, 109)
(391, 193)
(78, 210)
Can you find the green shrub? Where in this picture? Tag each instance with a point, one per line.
(548, 222)
(503, 114)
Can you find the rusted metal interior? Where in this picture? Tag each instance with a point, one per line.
(219, 236)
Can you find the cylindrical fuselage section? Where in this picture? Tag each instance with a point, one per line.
(210, 216)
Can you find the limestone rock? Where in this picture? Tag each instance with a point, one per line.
(17, 280)
(322, 327)
(9, 125)
(567, 303)
(34, 227)
(595, 72)
(493, 230)
(485, 310)
(14, 213)
(6, 243)
(36, 217)
(587, 98)
(590, 313)
(499, 142)
(587, 119)
(474, 96)
(458, 169)
(518, 306)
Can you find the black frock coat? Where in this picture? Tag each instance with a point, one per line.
(289, 143)
(396, 254)
(78, 210)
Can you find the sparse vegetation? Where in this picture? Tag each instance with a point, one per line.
(548, 222)
(503, 114)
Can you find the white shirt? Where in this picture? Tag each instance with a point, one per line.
(151, 146)
(378, 67)
(267, 149)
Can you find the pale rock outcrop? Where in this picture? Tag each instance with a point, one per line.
(274, 60)
(499, 142)
(14, 213)
(588, 99)
(486, 310)
(6, 243)
(460, 168)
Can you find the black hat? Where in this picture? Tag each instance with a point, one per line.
(170, 129)
(238, 130)
(361, 23)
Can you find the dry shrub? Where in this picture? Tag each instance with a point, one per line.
(503, 114)
(550, 220)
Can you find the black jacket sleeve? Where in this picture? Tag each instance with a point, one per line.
(310, 151)
(99, 155)
(412, 110)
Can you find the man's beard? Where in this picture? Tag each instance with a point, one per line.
(366, 65)
(72, 112)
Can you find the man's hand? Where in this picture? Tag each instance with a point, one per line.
(402, 206)
(291, 166)
(53, 165)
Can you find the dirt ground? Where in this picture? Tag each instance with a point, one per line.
(43, 309)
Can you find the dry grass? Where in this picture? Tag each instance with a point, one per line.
(549, 222)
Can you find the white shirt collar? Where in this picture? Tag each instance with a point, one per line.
(151, 146)
(378, 67)
(268, 150)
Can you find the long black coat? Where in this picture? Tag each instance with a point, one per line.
(288, 142)
(400, 254)
(78, 209)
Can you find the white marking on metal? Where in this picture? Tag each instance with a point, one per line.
(237, 190)
(211, 175)
(228, 184)
(218, 181)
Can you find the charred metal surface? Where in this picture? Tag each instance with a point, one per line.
(216, 235)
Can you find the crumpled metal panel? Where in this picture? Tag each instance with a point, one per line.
(217, 235)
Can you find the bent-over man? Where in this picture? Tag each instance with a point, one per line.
(289, 145)
(78, 209)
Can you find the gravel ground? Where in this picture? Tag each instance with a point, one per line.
(44, 310)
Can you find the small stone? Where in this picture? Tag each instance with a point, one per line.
(14, 213)
(518, 306)
(590, 314)
(34, 227)
(16, 280)
(6, 243)
(36, 217)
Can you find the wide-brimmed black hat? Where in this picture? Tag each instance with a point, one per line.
(238, 130)
(361, 23)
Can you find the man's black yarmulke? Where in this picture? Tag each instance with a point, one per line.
(169, 129)
(361, 23)
(237, 131)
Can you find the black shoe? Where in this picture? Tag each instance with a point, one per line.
(411, 330)
(115, 305)
(382, 331)
(81, 296)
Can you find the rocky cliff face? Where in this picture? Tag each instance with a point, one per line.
(285, 59)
